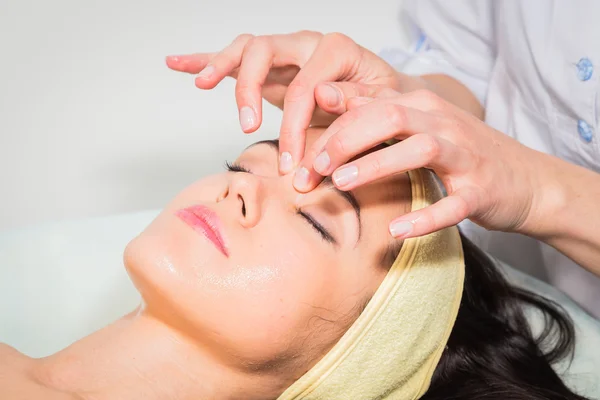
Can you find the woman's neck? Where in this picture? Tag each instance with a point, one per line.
(139, 357)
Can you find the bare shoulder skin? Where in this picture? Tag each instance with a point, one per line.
(18, 381)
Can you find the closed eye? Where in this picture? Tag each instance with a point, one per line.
(317, 227)
(325, 235)
(235, 167)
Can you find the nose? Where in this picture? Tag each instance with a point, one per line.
(245, 195)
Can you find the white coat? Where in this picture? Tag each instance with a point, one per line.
(535, 66)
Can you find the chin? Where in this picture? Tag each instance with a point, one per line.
(167, 263)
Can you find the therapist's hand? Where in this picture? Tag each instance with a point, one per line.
(489, 177)
(290, 71)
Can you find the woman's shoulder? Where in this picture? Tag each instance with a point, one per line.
(17, 381)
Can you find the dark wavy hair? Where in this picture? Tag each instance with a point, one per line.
(492, 354)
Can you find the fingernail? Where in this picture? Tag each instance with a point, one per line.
(321, 163)
(247, 118)
(206, 72)
(173, 58)
(401, 228)
(345, 176)
(301, 178)
(332, 94)
(285, 163)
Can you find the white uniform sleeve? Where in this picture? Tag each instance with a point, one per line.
(455, 38)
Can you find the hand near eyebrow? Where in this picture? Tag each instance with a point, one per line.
(290, 72)
(489, 177)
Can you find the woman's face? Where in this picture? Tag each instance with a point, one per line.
(260, 274)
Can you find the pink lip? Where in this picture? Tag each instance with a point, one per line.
(205, 222)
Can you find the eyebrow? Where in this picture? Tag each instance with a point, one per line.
(349, 197)
(328, 183)
(273, 143)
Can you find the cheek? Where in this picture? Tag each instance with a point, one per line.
(258, 304)
(280, 315)
(164, 261)
(272, 288)
(167, 250)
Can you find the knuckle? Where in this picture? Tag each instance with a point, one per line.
(428, 97)
(457, 129)
(259, 42)
(375, 166)
(297, 89)
(311, 154)
(246, 88)
(308, 34)
(429, 147)
(395, 114)
(452, 130)
(243, 38)
(337, 144)
(305, 44)
(446, 125)
(461, 208)
(337, 38)
(349, 117)
(227, 61)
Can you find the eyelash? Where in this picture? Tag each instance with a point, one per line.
(316, 226)
(235, 167)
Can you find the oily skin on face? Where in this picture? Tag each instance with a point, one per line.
(249, 322)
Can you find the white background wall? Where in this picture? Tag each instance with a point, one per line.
(93, 123)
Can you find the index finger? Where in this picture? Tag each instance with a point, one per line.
(190, 63)
(332, 59)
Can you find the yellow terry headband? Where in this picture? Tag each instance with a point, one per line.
(392, 349)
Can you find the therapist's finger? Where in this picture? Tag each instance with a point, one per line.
(306, 177)
(358, 112)
(332, 59)
(446, 212)
(422, 99)
(190, 63)
(334, 97)
(358, 102)
(360, 130)
(256, 63)
(381, 122)
(222, 64)
(274, 91)
(419, 151)
(361, 101)
(261, 55)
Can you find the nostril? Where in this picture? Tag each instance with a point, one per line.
(243, 205)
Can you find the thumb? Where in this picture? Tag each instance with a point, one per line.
(333, 97)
